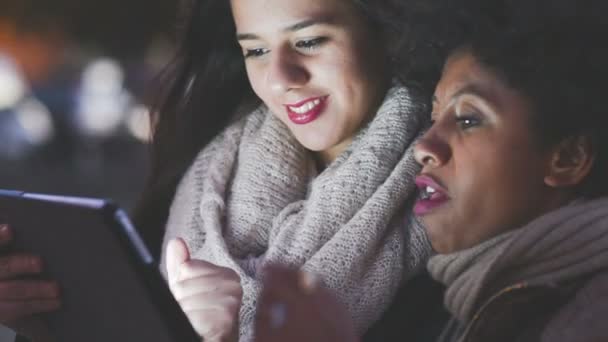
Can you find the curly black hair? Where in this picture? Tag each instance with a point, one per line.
(553, 52)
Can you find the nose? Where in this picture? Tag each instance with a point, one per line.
(431, 150)
(286, 71)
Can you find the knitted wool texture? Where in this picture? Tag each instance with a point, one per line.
(253, 197)
(557, 247)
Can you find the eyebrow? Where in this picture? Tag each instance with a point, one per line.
(472, 89)
(481, 93)
(292, 28)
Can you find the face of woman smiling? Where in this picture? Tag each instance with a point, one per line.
(315, 64)
(484, 168)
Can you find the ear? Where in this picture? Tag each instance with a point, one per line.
(571, 162)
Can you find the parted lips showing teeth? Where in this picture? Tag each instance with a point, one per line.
(306, 107)
(427, 192)
(429, 188)
(432, 195)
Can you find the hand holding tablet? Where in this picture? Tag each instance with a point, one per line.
(111, 289)
(22, 296)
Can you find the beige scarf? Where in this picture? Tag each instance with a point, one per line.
(253, 197)
(560, 246)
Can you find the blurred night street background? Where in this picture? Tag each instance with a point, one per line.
(76, 78)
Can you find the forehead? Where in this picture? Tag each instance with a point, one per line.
(258, 16)
(463, 74)
(461, 71)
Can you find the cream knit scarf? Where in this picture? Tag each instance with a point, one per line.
(563, 245)
(253, 197)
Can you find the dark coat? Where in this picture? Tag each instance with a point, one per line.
(574, 312)
(416, 314)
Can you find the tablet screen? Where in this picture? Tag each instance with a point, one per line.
(111, 287)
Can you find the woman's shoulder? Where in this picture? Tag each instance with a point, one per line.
(244, 123)
(212, 160)
(583, 317)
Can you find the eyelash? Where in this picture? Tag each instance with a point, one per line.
(468, 121)
(249, 53)
(308, 45)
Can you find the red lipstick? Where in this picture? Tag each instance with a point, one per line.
(433, 195)
(306, 111)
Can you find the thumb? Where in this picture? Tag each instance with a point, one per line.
(177, 254)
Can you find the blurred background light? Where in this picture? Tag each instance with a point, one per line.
(36, 121)
(102, 98)
(138, 123)
(103, 76)
(74, 80)
(12, 84)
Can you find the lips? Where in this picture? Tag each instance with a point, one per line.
(306, 111)
(433, 195)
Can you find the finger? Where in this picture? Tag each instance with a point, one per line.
(280, 321)
(16, 265)
(209, 284)
(298, 321)
(212, 324)
(282, 283)
(280, 295)
(207, 301)
(177, 254)
(333, 316)
(6, 235)
(281, 306)
(11, 311)
(295, 306)
(25, 290)
(199, 268)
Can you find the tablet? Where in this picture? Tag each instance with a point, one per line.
(111, 287)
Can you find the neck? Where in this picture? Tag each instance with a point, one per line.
(327, 156)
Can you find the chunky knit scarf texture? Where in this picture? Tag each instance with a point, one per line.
(253, 197)
(561, 246)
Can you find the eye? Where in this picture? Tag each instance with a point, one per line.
(255, 52)
(310, 44)
(468, 121)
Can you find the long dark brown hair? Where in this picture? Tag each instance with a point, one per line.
(206, 87)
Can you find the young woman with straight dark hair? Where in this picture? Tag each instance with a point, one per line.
(284, 137)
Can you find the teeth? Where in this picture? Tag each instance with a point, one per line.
(308, 106)
(427, 192)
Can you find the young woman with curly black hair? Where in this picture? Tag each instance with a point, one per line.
(513, 188)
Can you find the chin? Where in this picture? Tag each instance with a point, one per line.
(437, 244)
(440, 247)
(314, 143)
(437, 237)
(313, 146)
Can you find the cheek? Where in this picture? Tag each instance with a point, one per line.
(494, 181)
(256, 78)
(488, 177)
(502, 184)
(350, 65)
(476, 181)
(354, 90)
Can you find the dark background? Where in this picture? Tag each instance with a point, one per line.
(51, 45)
(75, 78)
